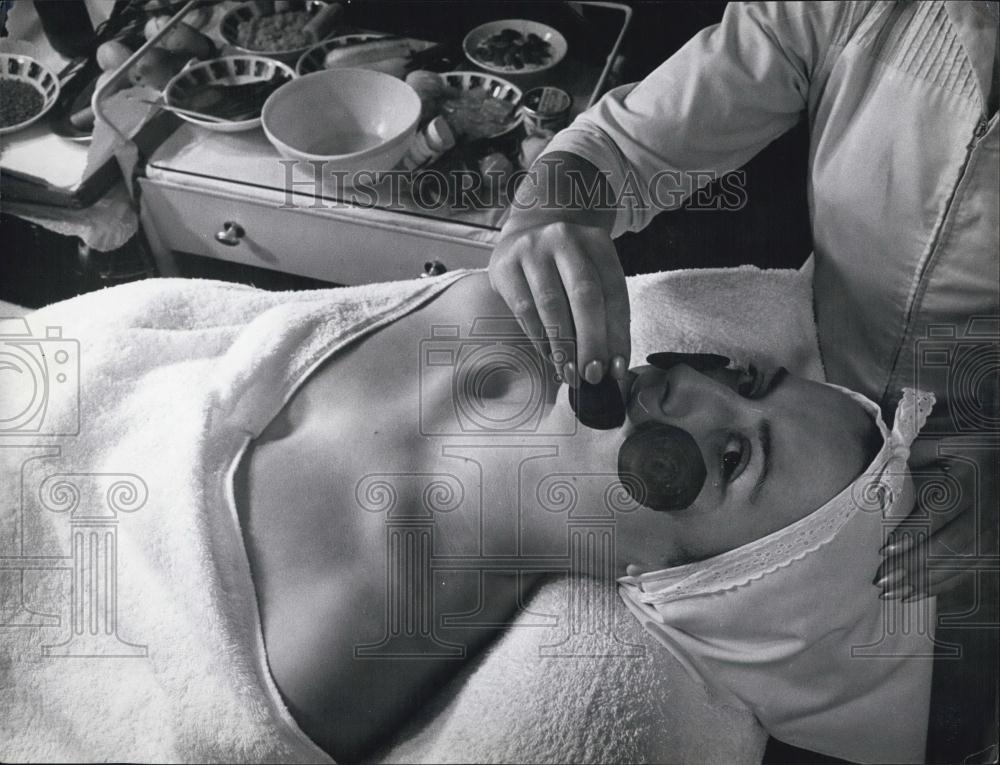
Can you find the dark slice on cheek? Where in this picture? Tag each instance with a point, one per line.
(661, 467)
(600, 406)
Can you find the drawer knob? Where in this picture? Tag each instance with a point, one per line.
(230, 234)
(433, 268)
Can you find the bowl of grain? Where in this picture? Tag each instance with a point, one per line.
(27, 91)
(256, 28)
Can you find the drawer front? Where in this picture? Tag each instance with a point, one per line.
(337, 246)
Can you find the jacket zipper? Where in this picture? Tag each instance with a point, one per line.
(982, 127)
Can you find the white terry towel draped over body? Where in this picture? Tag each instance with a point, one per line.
(129, 628)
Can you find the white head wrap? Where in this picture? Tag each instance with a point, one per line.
(791, 625)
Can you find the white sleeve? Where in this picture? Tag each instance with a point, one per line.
(730, 91)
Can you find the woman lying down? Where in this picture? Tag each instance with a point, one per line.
(335, 499)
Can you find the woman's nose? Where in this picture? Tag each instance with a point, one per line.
(683, 398)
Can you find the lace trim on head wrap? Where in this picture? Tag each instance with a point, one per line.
(878, 489)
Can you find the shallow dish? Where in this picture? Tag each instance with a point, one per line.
(229, 70)
(21, 68)
(352, 120)
(496, 86)
(556, 45)
(314, 59)
(229, 28)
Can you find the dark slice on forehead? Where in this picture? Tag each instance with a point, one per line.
(700, 362)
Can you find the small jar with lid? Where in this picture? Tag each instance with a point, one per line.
(429, 144)
(546, 110)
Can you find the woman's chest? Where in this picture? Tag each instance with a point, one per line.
(350, 500)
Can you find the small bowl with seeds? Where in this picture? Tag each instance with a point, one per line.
(27, 91)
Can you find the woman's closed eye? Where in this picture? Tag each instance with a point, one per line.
(738, 452)
(754, 382)
(735, 457)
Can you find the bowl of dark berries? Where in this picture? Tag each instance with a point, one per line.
(514, 47)
(27, 91)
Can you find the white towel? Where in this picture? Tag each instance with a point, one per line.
(165, 381)
(10, 310)
(517, 704)
(745, 313)
(128, 620)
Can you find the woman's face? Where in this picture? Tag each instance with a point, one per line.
(770, 460)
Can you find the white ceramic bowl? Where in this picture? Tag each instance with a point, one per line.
(22, 68)
(350, 119)
(229, 26)
(557, 45)
(230, 70)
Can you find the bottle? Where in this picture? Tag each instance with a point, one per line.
(430, 144)
(67, 26)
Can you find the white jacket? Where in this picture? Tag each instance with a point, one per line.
(903, 166)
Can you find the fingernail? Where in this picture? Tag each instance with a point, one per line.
(894, 546)
(892, 577)
(897, 592)
(619, 368)
(593, 372)
(569, 373)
